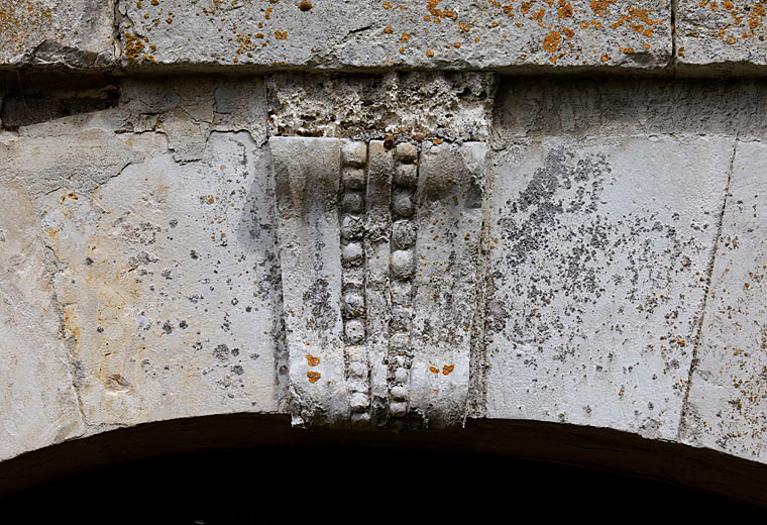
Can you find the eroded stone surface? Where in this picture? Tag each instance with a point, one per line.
(599, 254)
(72, 33)
(162, 253)
(326, 34)
(447, 279)
(38, 401)
(307, 178)
(730, 33)
(727, 405)
(409, 106)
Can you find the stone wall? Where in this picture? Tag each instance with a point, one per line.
(384, 215)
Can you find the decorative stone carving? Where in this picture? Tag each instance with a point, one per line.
(379, 250)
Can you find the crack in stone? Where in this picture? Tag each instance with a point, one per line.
(694, 361)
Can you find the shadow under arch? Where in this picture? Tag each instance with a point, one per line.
(219, 464)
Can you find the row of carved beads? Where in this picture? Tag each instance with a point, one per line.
(353, 178)
(402, 267)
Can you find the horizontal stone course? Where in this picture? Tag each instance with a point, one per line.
(327, 34)
(498, 35)
(72, 33)
(731, 33)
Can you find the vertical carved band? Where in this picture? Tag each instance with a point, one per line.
(353, 306)
(379, 252)
(402, 268)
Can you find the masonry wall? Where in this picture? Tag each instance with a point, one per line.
(605, 229)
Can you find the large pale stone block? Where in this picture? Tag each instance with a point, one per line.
(727, 405)
(599, 256)
(72, 33)
(157, 217)
(38, 401)
(327, 34)
(730, 33)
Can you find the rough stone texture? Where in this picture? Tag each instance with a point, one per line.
(161, 256)
(407, 106)
(326, 34)
(70, 33)
(38, 402)
(307, 177)
(141, 276)
(447, 279)
(730, 33)
(727, 404)
(595, 279)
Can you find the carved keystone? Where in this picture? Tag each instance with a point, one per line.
(379, 251)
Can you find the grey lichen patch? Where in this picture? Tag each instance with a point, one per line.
(597, 276)
(412, 106)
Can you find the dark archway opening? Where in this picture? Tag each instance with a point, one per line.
(243, 469)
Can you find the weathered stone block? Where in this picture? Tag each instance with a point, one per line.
(162, 254)
(38, 401)
(728, 33)
(727, 404)
(409, 105)
(599, 256)
(72, 33)
(326, 34)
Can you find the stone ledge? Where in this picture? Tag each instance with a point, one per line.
(555, 36)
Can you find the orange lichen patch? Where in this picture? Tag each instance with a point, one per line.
(155, 2)
(437, 14)
(433, 369)
(463, 27)
(628, 50)
(457, 45)
(447, 369)
(430, 53)
(281, 35)
(312, 360)
(552, 42)
(605, 58)
(305, 5)
(405, 37)
(268, 12)
(680, 52)
(388, 30)
(599, 7)
(313, 376)
(565, 9)
(756, 16)
(135, 48)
